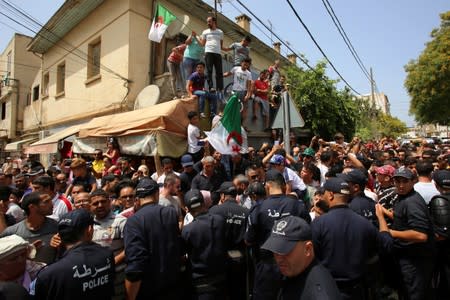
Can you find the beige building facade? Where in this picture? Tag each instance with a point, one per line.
(96, 58)
(18, 70)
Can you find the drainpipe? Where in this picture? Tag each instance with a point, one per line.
(39, 118)
(14, 111)
(151, 67)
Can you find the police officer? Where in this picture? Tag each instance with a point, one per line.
(345, 241)
(206, 248)
(440, 216)
(413, 237)
(359, 202)
(292, 247)
(235, 225)
(260, 222)
(85, 271)
(152, 247)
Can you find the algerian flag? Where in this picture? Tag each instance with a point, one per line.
(226, 136)
(162, 19)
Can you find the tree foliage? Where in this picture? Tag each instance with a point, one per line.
(428, 78)
(325, 109)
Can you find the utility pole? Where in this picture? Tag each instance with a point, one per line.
(215, 10)
(372, 87)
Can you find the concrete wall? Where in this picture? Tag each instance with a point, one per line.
(24, 66)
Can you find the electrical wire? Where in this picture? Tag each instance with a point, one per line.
(345, 38)
(276, 36)
(27, 18)
(318, 46)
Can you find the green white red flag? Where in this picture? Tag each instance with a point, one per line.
(227, 136)
(163, 18)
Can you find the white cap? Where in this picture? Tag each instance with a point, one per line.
(14, 243)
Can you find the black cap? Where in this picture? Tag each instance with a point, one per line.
(275, 175)
(74, 221)
(404, 172)
(227, 188)
(36, 171)
(355, 176)
(146, 187)
(286, 233)
(193, 199)
(442, 178)
(337, 185)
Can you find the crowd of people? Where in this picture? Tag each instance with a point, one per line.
(200, 56)
(330, 220)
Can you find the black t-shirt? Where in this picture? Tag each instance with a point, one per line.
(263, 216)
(204, 238)
(344, 241)
(235, 222)
(411, 213)
(86, 181)
(364, 206)
(86, 271)
(153, 248)
(314, 283)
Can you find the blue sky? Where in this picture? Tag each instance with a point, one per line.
(385, 33)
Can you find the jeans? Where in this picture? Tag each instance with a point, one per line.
(189, 66)
(202, 95)
(214, 59)
(175, 77)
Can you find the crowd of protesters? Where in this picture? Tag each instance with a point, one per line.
(372, 218)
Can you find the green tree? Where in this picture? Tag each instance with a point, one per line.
(390, 126)
(325, 109)
(428, 78)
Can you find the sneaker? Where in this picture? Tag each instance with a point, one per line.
(212, 90)
(202, 116)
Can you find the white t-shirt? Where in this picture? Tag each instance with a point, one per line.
(296, 182)
(193, 132)
(213, 38)
(427, 190)
(60, 207)
(240, 78)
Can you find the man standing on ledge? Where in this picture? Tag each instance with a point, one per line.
(212, 40)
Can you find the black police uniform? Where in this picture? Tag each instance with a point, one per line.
(235, 225)
(415, 260)
(343, 242)
(86, 271)
(205, 244)
(153, 251)
(260, 222)
(364, 206)
(315, 282)
(440, 216)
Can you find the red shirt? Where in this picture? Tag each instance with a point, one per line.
(176, 56)
(261, 85)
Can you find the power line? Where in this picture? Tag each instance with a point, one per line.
(276, 35)
(318, 46)
(344, 36)
(19, 12)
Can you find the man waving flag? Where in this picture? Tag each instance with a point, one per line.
(162, 19)
(227, 136)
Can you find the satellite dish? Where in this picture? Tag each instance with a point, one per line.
(177, 26)
(147, 97)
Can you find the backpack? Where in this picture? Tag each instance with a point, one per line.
(440, 214)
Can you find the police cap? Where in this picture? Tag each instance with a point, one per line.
(285, 234)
